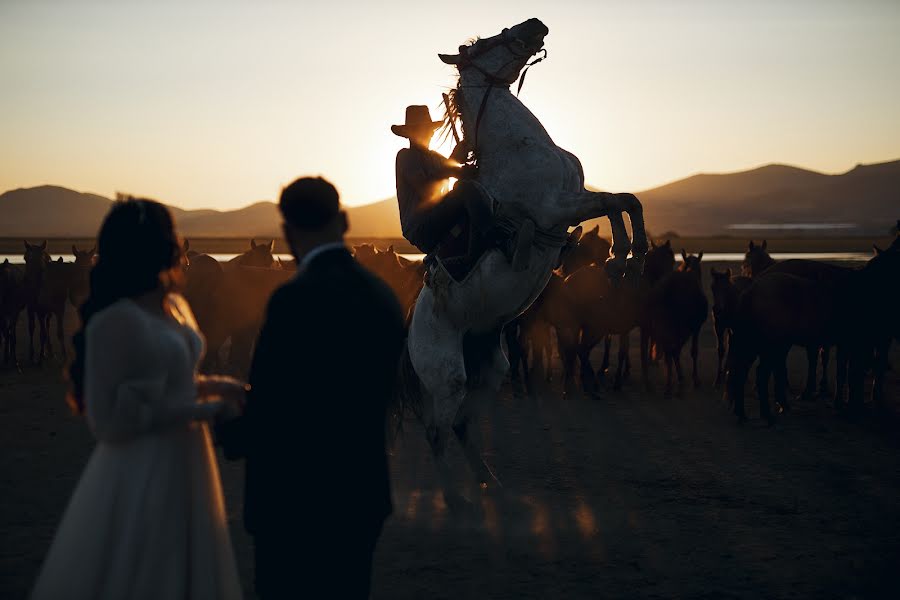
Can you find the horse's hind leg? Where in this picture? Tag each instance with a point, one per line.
(763, 371)
(60, 333)
(812, 361)
(622, 365)
(436, 352)
(823, 383)
(465, 425)
(722, 341)
(645, 358)
(695, 372)
(604, 366)
(882, 348)
(31, 317)
(44, 322)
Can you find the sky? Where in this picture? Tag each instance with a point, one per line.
(220, 104)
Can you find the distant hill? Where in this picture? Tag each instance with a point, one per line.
(867, 196)
(53, 211)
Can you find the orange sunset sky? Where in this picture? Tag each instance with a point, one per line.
(219, 104)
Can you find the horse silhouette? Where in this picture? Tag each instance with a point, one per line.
(676, 309)
(726, 291)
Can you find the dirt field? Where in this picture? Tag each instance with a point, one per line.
(625, 496)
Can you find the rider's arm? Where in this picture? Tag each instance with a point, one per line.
(460, 152)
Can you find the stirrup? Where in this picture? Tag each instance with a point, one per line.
(523, 243)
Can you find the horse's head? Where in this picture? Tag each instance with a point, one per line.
(259, 255)
(881, 288)
(756, 260)
(36, 257)
(690, 263)
(722, 290)
(500, 58)
(659, 261)
(84, 258)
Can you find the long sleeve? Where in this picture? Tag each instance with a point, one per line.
(125, 382)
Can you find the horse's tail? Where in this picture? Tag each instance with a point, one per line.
(407, 395)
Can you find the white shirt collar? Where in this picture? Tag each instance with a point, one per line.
(320, 249)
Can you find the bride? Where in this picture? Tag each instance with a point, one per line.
(147, 518)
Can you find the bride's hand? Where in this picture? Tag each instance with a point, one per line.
(232, 391)
(220, 385)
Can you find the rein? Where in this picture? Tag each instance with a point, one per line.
(493, 80)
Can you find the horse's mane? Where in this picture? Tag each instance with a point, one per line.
(453, 112)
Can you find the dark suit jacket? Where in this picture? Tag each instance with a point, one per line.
(313, 432)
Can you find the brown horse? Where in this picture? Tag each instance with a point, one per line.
(781, 309)
(259, 255)
(229, 300)
(758, 261)
(13, 299)
(676, 309)
(529, 338)
(590, 249)
(596, 308)
(531, 333)
(46, 287)
(79, 275)
(405, 277)
(726, 291)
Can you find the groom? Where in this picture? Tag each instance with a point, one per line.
(313, 430)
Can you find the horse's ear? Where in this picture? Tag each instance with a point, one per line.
(59, 260)
(764, 244)
(449, 59)
(577, 232)
(252, 243)
(683, 255)
(74, 249)
(93, 250)
(751, 246)
(44, 245)
(700, 256)
(391, 248)
(652, 243)
(27, 245)
(595, 230)
(668, 244)
(877, 249)
(728, 272)
(186, 245)
(272, 246)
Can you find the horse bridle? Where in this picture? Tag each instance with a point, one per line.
(507, 40)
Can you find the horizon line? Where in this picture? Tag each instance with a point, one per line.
(587, 186)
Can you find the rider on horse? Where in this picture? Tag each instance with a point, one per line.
(428, 212)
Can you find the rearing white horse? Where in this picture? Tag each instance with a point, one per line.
(454, 338)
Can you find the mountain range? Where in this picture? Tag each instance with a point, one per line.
(862, 201)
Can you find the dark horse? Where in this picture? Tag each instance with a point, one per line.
(726, 291)
(46, 286)
(855, 312)
(757, 261)
(13, 299)
(677, 308)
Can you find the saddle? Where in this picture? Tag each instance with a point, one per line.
(458, 252)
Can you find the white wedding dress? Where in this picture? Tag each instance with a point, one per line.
(147, 518)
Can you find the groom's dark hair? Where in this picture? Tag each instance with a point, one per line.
(309, 203)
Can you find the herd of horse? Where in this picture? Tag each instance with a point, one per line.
(758, 315)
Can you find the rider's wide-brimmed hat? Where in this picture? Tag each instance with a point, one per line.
(417, 119)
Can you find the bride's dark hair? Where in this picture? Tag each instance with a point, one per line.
(137, 243)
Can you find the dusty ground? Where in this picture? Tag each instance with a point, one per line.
(628, 495)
